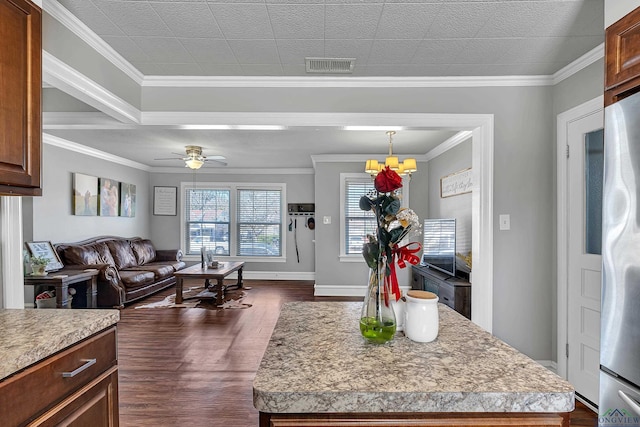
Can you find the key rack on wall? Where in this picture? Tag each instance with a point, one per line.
(301, 209)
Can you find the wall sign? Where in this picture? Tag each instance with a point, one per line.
(165, 200)
(457, 183)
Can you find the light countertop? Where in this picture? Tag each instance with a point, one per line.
(28, 336)
(317, 361)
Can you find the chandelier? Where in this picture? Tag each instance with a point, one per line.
(407, 167)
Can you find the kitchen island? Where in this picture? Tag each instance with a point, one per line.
(58, 367)
(318, 370)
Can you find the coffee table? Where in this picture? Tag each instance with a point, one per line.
(217, 274)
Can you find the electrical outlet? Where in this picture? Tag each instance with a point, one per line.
(326, 220)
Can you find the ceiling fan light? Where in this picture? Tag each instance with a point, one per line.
(194, 163)
(410, 165)
(371, 167)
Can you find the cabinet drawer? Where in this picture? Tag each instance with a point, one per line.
(54, 378)
(447, 295)
(430, 285)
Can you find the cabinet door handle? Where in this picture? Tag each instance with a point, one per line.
(87, 364)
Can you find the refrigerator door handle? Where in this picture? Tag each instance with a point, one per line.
(635, 406)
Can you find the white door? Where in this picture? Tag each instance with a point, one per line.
(584, 172)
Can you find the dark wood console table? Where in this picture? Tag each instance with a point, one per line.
(452, 291)
(61, 280)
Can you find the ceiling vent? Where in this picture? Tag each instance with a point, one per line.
(330, 65)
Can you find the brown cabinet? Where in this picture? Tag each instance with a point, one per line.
(622, 58)
(76, 387)
(452, 291)
(20, 97)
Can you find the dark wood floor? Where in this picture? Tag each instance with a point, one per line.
(195, 367)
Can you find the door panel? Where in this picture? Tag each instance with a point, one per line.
(585, 163)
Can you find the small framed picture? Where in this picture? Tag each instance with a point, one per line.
(127, 200)
(46, 250)
(85, 195)
(109, 199)
(165, 201)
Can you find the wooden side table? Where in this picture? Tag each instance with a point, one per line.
(61, 280)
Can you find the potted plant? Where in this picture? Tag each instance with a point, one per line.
(38, 265)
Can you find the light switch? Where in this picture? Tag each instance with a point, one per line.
(326, 220)
(505, 222)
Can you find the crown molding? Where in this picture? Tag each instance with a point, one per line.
(76, 84)
(233, 171)
(87, 151)
(355, 82)
(79, 28)
(584, 61)
(456, 139)
(82, 120)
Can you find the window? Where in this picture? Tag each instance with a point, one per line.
(234, 219)
(259, 222)
(357, 223)
(208, 220)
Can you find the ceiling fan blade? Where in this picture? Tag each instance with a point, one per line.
(222, 162)
(169, 158)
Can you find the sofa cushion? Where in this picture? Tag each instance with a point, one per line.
(97, 253)
(135, 278)
(160, 270)
(144, 251)
(122, 253)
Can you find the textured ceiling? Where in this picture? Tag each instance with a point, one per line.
(387, 37)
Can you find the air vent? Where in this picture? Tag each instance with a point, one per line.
(330, 65)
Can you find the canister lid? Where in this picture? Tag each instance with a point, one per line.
(421, 294)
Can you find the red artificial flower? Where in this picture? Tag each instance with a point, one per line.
(387, 181)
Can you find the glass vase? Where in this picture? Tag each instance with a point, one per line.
(377, 320)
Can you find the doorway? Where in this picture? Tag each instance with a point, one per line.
(580, 172)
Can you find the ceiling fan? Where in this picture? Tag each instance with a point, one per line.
(194, 158)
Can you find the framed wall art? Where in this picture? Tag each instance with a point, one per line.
(109, 197)
(85, 195)
(127, 200)
(165, 201)
(457, 183)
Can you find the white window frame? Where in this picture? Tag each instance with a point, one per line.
(233, 188)
(344, 177)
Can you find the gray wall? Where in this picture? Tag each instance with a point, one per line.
(165, 230)
(458, 207)
(56, 100)
(51, 215)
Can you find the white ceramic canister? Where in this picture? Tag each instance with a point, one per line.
(421, 316)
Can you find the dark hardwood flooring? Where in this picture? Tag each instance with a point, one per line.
(195, 367)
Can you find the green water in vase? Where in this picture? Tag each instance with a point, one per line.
(377, 331)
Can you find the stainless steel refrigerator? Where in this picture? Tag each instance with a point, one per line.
(619, 399)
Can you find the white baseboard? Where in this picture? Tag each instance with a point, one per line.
(549, 364)
(275, 275)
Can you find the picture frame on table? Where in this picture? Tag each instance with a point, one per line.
(45, 249)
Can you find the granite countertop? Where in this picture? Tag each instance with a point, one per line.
(28, 336)
(317, 361)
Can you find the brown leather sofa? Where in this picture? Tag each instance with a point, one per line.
(129, 268)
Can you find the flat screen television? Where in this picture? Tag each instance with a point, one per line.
(439, 245)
